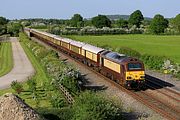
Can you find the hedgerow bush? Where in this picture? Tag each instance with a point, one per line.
(153, 62)
(95, 31)
(92, 106)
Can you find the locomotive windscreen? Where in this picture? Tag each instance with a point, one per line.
(134, 66)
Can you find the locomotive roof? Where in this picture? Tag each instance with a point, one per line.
(115, 56)
(77, 43)
(92, 48)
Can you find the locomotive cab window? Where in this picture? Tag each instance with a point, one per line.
(134, 66)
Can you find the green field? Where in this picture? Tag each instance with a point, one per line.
(6, 60)
(145, 44)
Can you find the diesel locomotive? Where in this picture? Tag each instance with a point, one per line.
(126, 71)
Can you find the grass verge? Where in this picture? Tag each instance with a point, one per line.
(6, 59)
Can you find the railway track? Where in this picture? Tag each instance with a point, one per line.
(167, 92)
(163, 109)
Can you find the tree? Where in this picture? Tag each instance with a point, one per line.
(13, 28)
(176, 22)
(3, 21)
(158, 24)
(77, 20)
(101, 21)
(122, 23)
(16, 86)
(136, 18)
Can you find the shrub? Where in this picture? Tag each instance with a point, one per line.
(55, 113)
(153, 62)
(16, 86)
(57, 100)
(31, 84)
(90, 106)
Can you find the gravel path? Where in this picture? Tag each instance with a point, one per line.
(22, 68)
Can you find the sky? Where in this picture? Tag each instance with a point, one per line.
(65, 9)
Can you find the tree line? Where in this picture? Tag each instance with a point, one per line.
(157, 25)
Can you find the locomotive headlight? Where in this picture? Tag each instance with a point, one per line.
(129, 77)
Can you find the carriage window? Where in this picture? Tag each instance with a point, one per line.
(134, 66)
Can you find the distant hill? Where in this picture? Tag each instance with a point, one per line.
(125, 17)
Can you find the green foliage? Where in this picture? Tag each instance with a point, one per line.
(26, 23)
(3, 28)
(3, 21)
(87, 22)
(77, 20)
(158, 24)
(16, 86)
(14, 28)
(136, 18)
(32, 84)
(128, 51)
(153, 62)
(101, 21)
(122, 23)
(39, 27)
(176, 23)
(90, 106)
(55, 113)
(57, 100)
